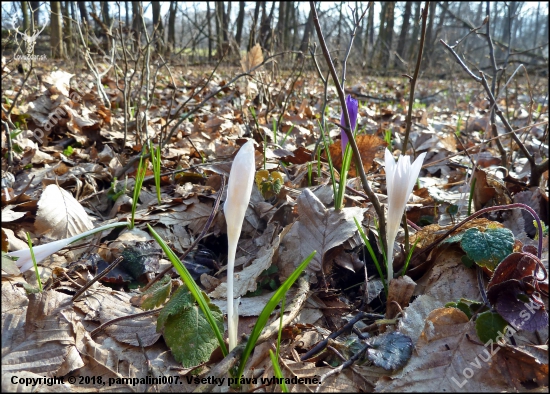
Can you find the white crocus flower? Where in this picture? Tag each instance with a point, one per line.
(239, 188)
(24, 261)
(400, 180)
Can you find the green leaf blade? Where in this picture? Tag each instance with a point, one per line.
(488, 248)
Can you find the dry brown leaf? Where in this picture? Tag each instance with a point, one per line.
(400, 292)
(60, 215)
(48, 346)
(431, 232)
(316, 228)
(447, 357)
(252, 58)
(246, 280)
(104, 305)
(369, 146)
(448, 280)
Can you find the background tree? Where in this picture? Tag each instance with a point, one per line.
(56, 30)
(240, 23)
(403, 35)
(172, 25)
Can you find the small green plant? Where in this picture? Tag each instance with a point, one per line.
(372, 255)
(287, 134)
(115, 191)
(155, 158)
(277, 371)
(199, 296)
(458, 126)
(410, 255)
(34, 263)
(388, 137)
(418, 105)
(275, 357)
(274, 130)
(140, 176)
(15, 133)
(347, 154)
(309, 171)
(544, 229)
(68, 151)
(331, 167)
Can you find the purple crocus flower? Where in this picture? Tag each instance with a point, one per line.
(353, 108)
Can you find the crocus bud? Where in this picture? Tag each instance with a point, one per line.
(400, 180)
(353, 109)
(24, 261)
(239, 187)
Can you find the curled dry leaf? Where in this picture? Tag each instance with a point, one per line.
(252, 59)
(369, 146)
(60, 215)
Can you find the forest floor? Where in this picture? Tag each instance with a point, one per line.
(73, 168)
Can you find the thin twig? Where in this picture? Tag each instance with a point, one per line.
(346, 364)
(415, 76)
(536, 169)
(321, 345)
(502, 151)
(479, 213)
(131, 162)
(119, 319)
(351, 139)
(97, 277)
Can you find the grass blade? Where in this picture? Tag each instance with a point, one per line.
(372, 255)
(34, 263)
(277, 371)
(266, 312)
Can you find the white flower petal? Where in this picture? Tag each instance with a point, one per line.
(42, 251)
(239, 187)
(400, 180)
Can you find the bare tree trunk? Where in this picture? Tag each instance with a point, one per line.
(339, 34)
(136, 15)
(27, 22)
(35, 8)
(172, 25)
(289, 16)
(219, 27)
(127, 14)
(281, 25)
(404, 32)
(429, 34)
(105, 12)
(416, 29)
(157, 20)
(265, 26)
(83, 11)
(56, 30)
(252, 38)
(379, 46)
(369, 36)
(209, 28)
(225, 15)
(307, 32)
(440, 23)
(240, 23)
(389, 33)
(67, 31)
(158, 25)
